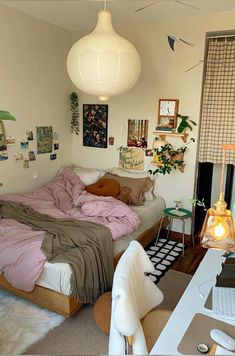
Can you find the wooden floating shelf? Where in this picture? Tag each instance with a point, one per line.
(157, 164)
(163, 135)
(181, 169)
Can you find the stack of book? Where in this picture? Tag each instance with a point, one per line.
(164, 129)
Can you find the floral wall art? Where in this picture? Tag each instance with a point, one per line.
(95, 125)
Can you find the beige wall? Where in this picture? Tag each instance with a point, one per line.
(163, 76)
(35, 88)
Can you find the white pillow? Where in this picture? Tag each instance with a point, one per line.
(88, 176)
(149, 195)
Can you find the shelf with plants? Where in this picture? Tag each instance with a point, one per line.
(168, 158)
(163, 134)
(161, 165)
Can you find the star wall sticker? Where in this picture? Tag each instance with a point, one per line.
(173, 39)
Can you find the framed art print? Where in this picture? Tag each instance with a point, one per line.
(95, 125)
(137, 135)
(44, 139)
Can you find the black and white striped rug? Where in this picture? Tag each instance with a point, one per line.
(163, 256)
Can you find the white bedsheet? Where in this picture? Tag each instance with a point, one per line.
(56, 276)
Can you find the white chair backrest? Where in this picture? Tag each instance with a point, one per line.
(133, 296)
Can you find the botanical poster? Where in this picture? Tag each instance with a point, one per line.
(131, 158)
(44, 139)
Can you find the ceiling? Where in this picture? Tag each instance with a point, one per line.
(80, 15)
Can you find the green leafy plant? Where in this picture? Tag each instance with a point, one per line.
(196, 201)
(75, 113)
(170, 158)
(6, 115)
(185, 123)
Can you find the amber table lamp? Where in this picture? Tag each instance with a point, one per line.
(218, 227)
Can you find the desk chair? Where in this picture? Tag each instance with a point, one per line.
(134, 322)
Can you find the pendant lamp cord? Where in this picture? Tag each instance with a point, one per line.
(105, 5)
(222, 173)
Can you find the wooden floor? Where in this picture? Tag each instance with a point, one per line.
(192, 257)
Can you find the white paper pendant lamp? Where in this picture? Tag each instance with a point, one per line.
(103, 63)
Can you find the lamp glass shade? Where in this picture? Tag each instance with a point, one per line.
(218, 230)
(103, 63)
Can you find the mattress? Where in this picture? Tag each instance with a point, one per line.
(56, 276)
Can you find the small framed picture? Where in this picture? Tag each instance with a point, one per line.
(111, 140)
(3, 156)
(148, 152)
(26, 163)
(56, 146)
(24, 145)
(10, 140)
(29, 135)
(32, 156)
(19, 156)
(53, 156)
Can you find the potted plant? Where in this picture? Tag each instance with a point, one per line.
(185, 123)
(168, 158)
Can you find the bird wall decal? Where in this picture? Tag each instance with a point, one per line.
(196, 65)
(173, 39)
(158, 1)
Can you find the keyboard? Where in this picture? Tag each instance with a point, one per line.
(223, 302)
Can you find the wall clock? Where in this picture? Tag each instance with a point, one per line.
(167, 113)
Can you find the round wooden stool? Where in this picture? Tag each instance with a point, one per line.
(102, 312)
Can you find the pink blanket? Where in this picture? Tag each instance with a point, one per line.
(21, 259)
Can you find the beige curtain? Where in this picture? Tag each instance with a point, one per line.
(218, 105)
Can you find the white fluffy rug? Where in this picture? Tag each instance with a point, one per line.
(22, 323)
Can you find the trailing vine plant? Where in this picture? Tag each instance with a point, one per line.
(196, 201)
(75, 113)
(5, 115)
(170, 158)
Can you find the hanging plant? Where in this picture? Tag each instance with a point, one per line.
(5, 115)
(75, 113)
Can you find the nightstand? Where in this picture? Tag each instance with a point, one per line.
(179, 214)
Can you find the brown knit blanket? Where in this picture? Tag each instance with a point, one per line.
(86, 246)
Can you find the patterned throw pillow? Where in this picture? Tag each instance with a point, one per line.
(149, 194)
(138, 187)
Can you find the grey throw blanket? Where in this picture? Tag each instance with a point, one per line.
(86, 246)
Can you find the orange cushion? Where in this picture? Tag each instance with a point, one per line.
(104, 187)
(102, 312)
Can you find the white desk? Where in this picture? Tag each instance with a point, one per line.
(190, 303)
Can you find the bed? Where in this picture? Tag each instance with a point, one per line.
(53, 290)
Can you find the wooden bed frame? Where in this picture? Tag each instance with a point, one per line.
(63, 304)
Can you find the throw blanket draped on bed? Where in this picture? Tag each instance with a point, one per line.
(86, 246)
